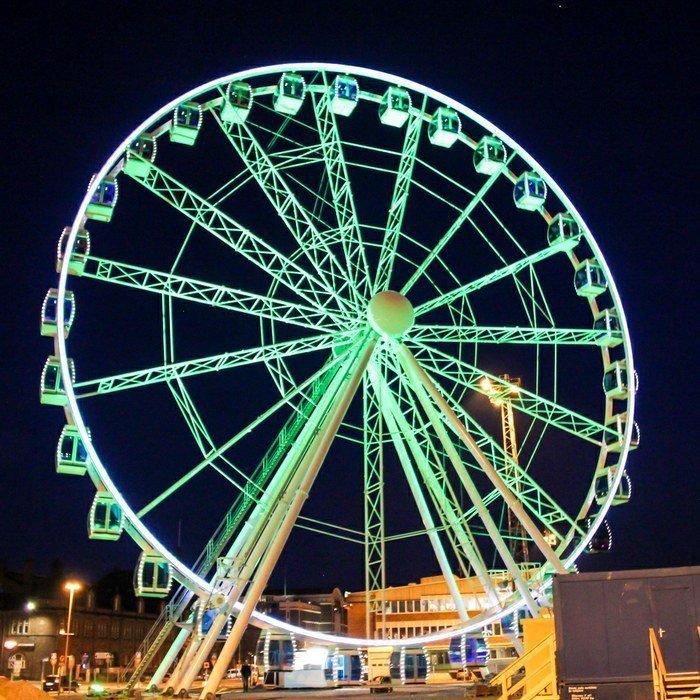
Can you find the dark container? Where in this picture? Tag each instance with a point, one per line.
(602, 626)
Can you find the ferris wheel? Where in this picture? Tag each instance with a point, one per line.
(324, 274)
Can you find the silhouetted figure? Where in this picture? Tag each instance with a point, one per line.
(245, 675)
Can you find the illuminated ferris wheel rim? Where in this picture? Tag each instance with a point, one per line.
(142, 535)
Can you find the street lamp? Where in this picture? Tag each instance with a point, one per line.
(71, 587)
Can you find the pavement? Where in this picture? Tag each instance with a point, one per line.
(234, 691)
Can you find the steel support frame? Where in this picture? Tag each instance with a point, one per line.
(290, 506)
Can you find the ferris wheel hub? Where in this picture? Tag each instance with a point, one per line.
(390, 314)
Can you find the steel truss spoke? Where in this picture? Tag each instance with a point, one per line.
(216, 295)
(400, 434)
(422, 379)
(315, 388)
(506, 271)
(456, 225)
(532, 404)
(339, 181)
(399, 198)
(508, 334)
(294, 216)
(375, 571)
(239, 238)
(203, 365)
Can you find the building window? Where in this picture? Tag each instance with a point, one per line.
(126, 632)
(20, 626)
(115, 630)
(101, 630)
(87, 628)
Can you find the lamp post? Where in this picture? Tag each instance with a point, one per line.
(71, 587)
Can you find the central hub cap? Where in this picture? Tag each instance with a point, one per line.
(390, 314)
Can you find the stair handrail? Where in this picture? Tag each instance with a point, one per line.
(547, 669)
(658, 667)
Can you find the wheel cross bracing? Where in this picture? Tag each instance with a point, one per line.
(362, 249)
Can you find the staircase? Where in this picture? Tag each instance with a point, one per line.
(172, 613)
(533, 675)
(683, 685)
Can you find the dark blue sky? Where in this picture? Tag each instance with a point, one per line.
(604, 95)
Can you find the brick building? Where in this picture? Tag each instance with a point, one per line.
(107, 626)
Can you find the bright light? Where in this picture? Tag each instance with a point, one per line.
(485, 384)
(10, 644)
(312, 657)
(31, 605)
(72, 586)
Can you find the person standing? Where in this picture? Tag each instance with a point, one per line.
(245, 675)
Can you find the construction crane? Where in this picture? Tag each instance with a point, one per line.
(502, 395)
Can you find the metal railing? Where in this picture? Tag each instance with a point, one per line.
(532, 675)
(658, 667)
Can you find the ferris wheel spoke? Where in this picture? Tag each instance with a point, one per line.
(214, 295)
(507, 271)
(339, 181)
(470, 377)
(191, 415)
(203, 365)
(302, 155)
(530, 301)
(239, 238)
(455, 226)
(290, 211)
(400, 432)
(399, 198)
(436, 402)
(509, 335)
(310, 390)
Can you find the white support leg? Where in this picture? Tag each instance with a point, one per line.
(414, 370)
(393, 417)
(169, 658)
(251, 543)
(309, 469)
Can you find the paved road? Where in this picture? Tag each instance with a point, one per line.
(452, 690)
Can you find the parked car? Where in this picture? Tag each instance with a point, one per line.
(232, 673)
(51, 683)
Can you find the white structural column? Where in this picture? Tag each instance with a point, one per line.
(170, 656)
(416, 372)
(476, 499)
(290, 505)
(186, 659)
(398, 429)
(262, 525)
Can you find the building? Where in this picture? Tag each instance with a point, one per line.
(426, 607)
(107, 626)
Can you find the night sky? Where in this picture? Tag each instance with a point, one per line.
(604, 95)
